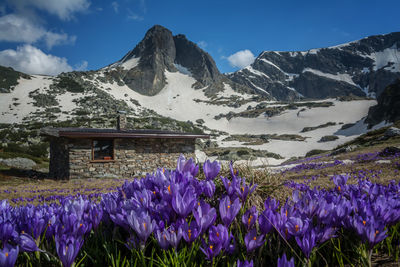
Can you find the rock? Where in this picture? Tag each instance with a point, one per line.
(392, 132)
(328, 138)
(347, 125)
(343, 150)
(19, 163)
(388, 107)
(200, 121)
(383, 161)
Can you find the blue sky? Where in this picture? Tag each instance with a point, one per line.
(45, 36)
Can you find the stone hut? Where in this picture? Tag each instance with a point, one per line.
(89, 152)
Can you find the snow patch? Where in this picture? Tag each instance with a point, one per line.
(389, 55)
(343, 77)
(256, 72)
(130, 63)
(270, 63)
(11, 113)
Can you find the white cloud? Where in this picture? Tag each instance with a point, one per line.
(31, 60)
(115, 6)
(53, 39)
(64, 9)
(15, 28)
(202, 44)
(241, 59)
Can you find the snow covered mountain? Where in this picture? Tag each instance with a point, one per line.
(168, 82)
(359, 68)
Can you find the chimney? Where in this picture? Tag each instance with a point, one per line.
(121, 122)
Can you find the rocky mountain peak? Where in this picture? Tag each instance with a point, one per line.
(200, 63)
(157, 46)
(143, 68)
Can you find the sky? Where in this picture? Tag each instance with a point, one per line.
(49, 37)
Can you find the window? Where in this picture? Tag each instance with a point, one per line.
(102, 150)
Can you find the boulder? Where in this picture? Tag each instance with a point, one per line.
(392, 132)
(19, 163)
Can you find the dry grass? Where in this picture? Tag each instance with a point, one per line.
(14, 187)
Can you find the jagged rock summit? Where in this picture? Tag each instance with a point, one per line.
(360, 68)
(143, 68)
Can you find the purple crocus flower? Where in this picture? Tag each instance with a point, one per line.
(211, 250)
(265, 221)
(208, 188)
(174, 235)
(244, 263)
(219, 235)
(68, 248)
(228, 209)
(161, 237)
(8, 255)
(253, 241)
(204, 215)
(187, 166)
(249, 218)
(142, 224)
(183, 205)
(307, 242)
(231, 186)
(211, 170)
(296, 226)
(340, 181)
(7, 231)
(190, 233)
(244, 190)
(283, 261)
(370, 230)
(26, 243)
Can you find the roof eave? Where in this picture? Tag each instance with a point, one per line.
(129, 135)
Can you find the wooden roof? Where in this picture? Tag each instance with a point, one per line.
(114, 133)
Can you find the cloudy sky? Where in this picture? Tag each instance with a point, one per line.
(49, 37)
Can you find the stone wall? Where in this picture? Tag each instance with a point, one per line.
(132, 157)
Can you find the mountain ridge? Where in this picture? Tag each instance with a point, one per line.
(363, 67)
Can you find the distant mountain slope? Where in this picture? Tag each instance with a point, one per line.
(388, 107)
(363, 67)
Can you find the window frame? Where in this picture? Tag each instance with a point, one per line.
(103, 160)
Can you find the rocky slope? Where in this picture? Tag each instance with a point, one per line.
(388, 107)
(359, 68)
